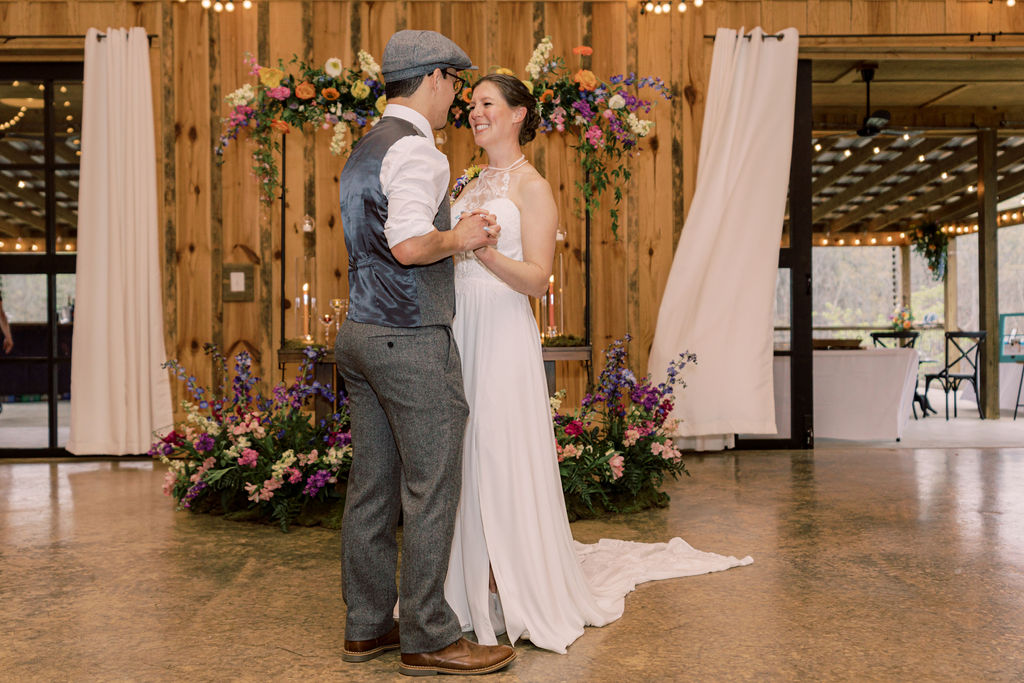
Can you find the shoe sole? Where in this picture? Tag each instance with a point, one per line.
(347, 656)
(408, 670)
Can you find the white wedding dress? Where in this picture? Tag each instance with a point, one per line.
(512, 515)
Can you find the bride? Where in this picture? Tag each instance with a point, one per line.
(514, 565)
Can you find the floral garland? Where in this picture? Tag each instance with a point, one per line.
(603, 116)
(345, 100)
(932, 243)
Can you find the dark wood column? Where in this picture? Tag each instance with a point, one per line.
(988, 271)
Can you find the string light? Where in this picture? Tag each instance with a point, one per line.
(817, 147)
(646, 6)
(876, 150)
(847, 152)
(906, 136)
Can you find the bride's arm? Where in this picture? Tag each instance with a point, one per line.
(539, 219)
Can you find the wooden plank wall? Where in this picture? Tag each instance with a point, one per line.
(211, 216)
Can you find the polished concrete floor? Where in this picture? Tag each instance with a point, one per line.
(871, 564)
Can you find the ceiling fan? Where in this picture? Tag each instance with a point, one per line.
(874, 121)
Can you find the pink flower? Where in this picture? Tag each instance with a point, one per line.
(294, 475)
(657, 447)
(594, 136)
(618, 464)
(280, 92)
(631, 436)
(169, 481)
(248, 457)
(574, 428)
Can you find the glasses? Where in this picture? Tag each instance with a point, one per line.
(460, 82)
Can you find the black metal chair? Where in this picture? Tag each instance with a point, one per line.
(904, 339)
(893, 338)
(963, 351)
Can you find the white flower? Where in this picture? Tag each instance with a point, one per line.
(243, 95)
(367, 64)
(333, 67)
(639, 127)
(540, 57)
(616, 101)
(339, 142)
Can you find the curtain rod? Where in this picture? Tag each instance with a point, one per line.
(6, 39)
(971, 36)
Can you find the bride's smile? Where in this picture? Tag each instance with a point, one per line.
(491, 116)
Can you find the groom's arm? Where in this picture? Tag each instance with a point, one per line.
(414, 177)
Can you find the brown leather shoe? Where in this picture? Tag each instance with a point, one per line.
(461, 657)
(365, 650)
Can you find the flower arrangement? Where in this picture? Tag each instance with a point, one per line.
(931, 242)
(614, 452)
(239, 451)
(902, 319)
(604, 117)
(331, 97)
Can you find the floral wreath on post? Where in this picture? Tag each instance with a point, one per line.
(604, 117)
(331, 96)
(932, 243)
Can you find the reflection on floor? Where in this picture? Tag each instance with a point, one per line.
(869, 564)
(25, 425)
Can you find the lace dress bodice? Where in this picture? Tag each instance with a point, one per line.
(489, 191)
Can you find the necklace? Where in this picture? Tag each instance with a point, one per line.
(513, 166)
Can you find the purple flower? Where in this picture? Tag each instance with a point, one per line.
(315, 482)
(204, 444)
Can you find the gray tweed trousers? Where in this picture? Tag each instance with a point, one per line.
(409, 412)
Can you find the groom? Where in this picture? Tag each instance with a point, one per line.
(403, 372)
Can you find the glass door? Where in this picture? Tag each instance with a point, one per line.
(40, 147)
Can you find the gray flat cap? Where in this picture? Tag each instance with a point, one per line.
(414, 53)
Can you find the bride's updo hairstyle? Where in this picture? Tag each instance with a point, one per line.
(516, 95)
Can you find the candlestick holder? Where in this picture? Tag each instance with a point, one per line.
(305, 299)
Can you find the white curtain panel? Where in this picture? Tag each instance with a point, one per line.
(119, 393)
(720, 294)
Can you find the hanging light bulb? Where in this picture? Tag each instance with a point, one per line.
(824, 242)
(876, 150)
(944, 175)
(206, 4)
(681, 7)
(666, 7)
(817, 147)
(218, 6)
(229, 6)
(906, 136)
(698, 3)
(1011, 3)
(247, 4)
(649, 7)
(657, 9)
(847, 152)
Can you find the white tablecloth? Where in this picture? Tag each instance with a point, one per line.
(861, 395)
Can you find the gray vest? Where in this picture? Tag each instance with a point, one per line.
(381, 291)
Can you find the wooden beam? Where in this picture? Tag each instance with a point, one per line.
(1009, 186)
(849, 118)
(952, 91)
(886, 170)
(846, 165)
(949, 286)
(905, 286)
(903, 189)
(939, 192)
(988, 271)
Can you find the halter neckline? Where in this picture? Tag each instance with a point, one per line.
(513, 166)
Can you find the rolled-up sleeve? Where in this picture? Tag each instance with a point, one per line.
(414, 176)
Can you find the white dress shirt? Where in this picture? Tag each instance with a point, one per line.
(414, 175)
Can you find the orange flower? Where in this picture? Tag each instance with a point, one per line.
(586, 79)
(330, 94)
(467, 94)
(305, 91)
(547, 95)
(583, 50)
(279, 125)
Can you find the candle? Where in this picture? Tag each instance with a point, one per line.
(305, 311)
(551, 304)
(561, 293)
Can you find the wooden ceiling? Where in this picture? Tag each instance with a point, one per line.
(922, 166)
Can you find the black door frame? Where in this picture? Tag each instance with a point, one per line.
(797, 258)
(51, 263)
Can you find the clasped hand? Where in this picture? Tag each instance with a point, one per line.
(478, 229)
